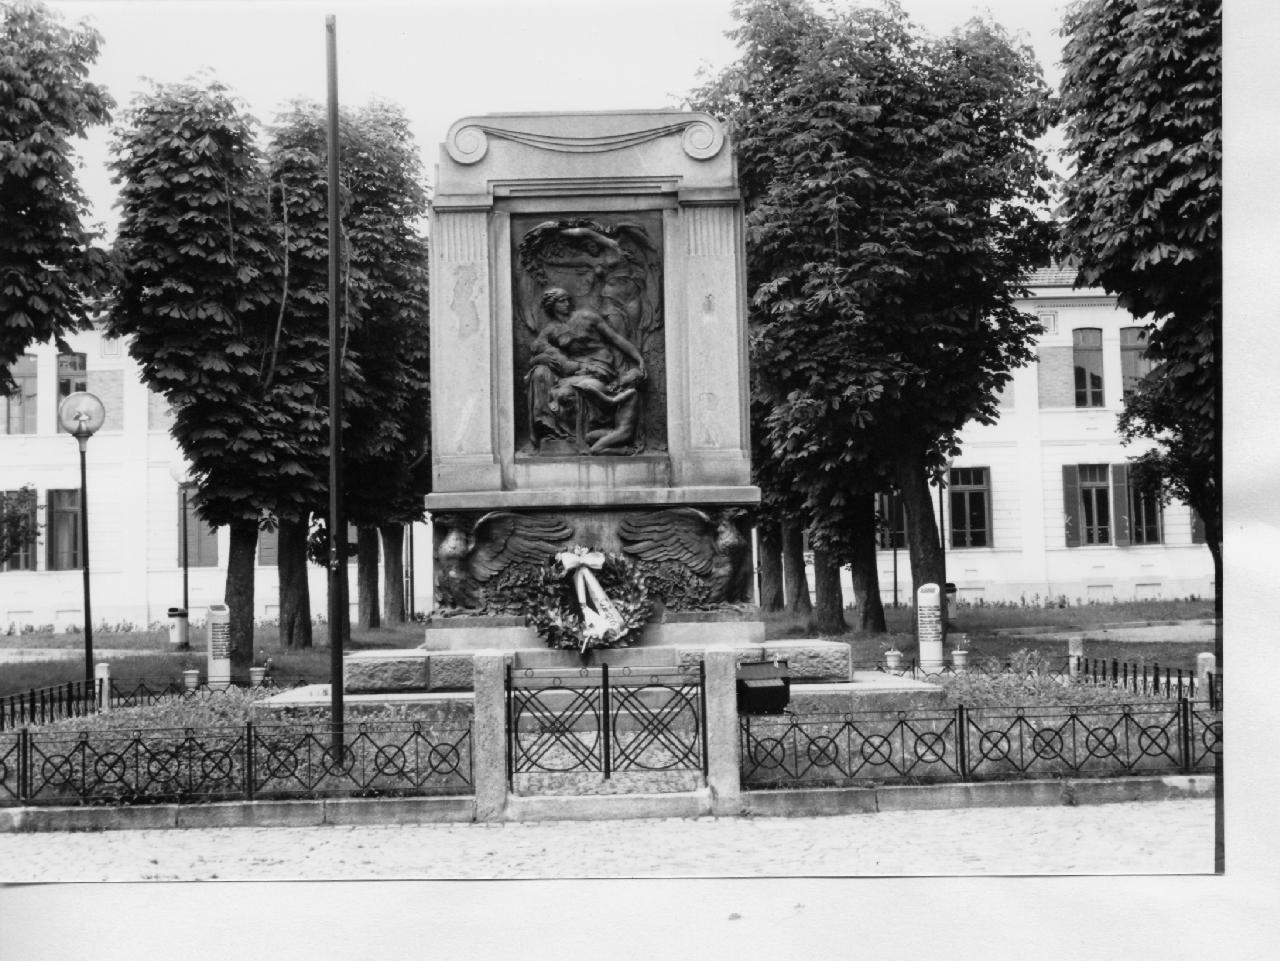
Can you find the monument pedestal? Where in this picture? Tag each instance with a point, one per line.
(403, 671)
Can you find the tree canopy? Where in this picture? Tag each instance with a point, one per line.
(1142, 104)
(51, 271)
(895, 201)
(223, 289)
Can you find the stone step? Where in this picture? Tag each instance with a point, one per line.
(419, 669)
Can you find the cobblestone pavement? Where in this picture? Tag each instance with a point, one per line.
(1166, 837)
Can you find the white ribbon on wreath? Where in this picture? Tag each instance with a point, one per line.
(599, 614)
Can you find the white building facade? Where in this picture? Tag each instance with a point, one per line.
(135, 505)
(1039, 505)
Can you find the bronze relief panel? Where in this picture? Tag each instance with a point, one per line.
(589, 356)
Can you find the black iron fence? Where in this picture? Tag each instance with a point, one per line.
(48, 704)
(397, 759)
(597, 721)
(973, 745)
(1057, 668)
(79, 699)
(1170, 683)
(1144, 679)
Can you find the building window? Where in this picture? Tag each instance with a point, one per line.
(1144, 515)
(19, 408)
(18, 515)
(1134, 364)
(71, 376)
(1086, 353)
(891, 522)
(1095, 504)
(63, 535)
(202, 540)
(970, 507)
(1100, 506)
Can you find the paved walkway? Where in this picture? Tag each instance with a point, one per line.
(1179, 632)
(1166, 837)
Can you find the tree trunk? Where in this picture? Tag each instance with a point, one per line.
(863, 566)
(797, 583)
(922, 526)
(828, 613)
(239, 592)
(393, 608)
(367, 609)
(769, 544)
(295, 594)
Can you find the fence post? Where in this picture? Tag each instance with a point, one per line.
(1075, 655)
(489, 734)
(606, 762)
(1184, 732)
(102, 674)
(249, 774)
(962, 742)
(724, 769)
(24, 765)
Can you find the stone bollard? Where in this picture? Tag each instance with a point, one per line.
(929, 627)
(489, 734)
(102, 682)
(1075, 654)
(1206, 664)
(724, 772)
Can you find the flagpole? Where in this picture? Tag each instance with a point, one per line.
(337, 523)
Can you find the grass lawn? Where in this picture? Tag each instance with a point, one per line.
(156, 663)
(981, 624)
(161, 665)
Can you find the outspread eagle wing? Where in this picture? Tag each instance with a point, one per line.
(503, 538)
(681, 534)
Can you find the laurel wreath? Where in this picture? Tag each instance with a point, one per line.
(554, 613)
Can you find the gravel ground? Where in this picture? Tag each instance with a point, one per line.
(1167, 837)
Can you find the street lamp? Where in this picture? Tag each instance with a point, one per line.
(181, 474)
(80, 415)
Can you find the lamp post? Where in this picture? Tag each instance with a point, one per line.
(81, 414)
(182, 476)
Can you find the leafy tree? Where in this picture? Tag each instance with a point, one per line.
(18, 527)
(895, 199)
(50, 269)
(386, 359)
(197, 296)
(1142, 102)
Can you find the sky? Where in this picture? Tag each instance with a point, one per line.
(442, 60)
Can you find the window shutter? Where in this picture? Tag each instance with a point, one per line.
(267, 547)
(1120, 505)
(1071, 503)
(1197, 527)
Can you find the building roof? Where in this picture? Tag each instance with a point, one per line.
(1053, 276)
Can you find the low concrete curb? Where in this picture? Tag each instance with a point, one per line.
(808, 802)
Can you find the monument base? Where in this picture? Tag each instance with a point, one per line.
(474, 632)
(420, 669)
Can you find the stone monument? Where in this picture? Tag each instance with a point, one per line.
(589, 394)
(589, 364)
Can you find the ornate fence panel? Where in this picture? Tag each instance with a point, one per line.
(1084, 741)
(233, 763)
(988, 744)
(595, 721)
(829, 749)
